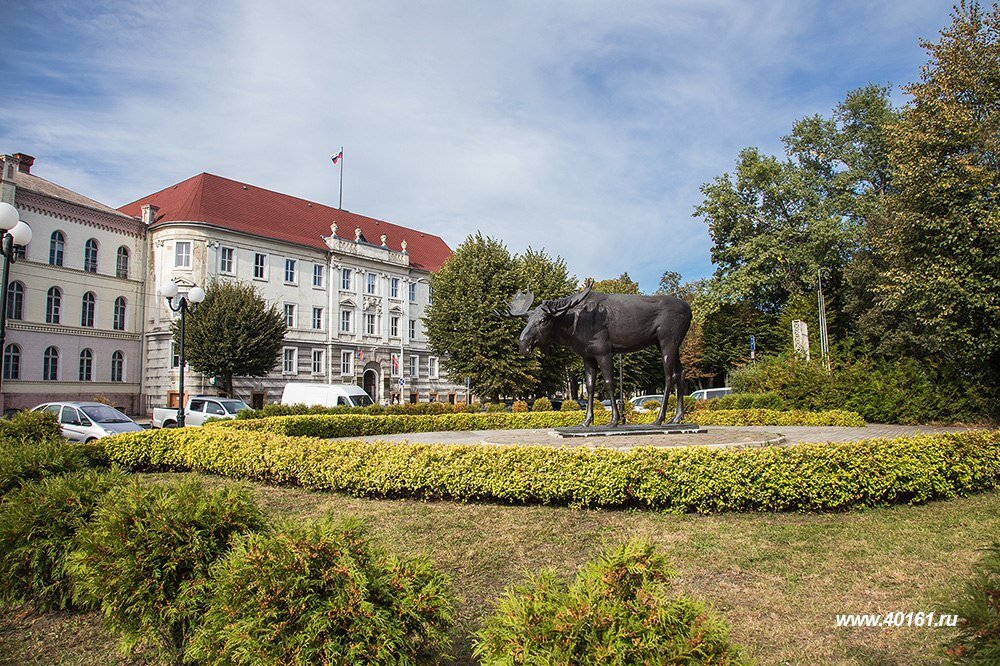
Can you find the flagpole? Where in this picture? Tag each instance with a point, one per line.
(341, 204)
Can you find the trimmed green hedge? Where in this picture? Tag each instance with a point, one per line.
(805, 477)
(363, 425)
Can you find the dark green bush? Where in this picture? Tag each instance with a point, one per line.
(38, 522)
(30, 426)
(321, 593)
(494, 407)
(882, 392)
(620, 609)
(978, 609)
(26, 461)
(144, 557)
(805, 477)
(769, 400)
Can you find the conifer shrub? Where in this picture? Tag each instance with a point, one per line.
(322, 593)
(30, 426)
(570, 406)
(519, 406)
(620, 609)
(542, 405)
(38, 523)
(978, 610)
(494, 407)
(769, 400)
(24, 461)
(144, 558)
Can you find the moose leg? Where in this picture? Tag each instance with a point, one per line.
(679, 378)
(590, 376)
(607, 371)
(671, 363)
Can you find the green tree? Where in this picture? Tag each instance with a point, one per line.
(463, 327)
(233, 333)
(670, 283)
(936, 294)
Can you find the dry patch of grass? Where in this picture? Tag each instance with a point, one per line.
(779, 579)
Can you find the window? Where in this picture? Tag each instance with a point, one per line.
(50, 364)
(289, 360)
(318, 275)
(90, 256)
(414, 366)
(371, 284)
(119, 322)
(57, 245)
(345, 279)
(214, 408)
(53, 305)
(259, 266)
(196, 406)
(370, 323)
(86, 365)
(182, 254)
(412, 328)
(432, 367)
(345, 321)
(121, 263)
(317, 361)
(291, 271)
(88, 310)
(413, 292)
(430, 294)
(394, 327)
(347, 363)
(227, 260)
(175, 355)
(394, 287)
(15, 300)
(12, 362)
(395, 362)
(290, 315)
(317, 318)
(118, 367)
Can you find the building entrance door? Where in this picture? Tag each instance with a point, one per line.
(369, 383)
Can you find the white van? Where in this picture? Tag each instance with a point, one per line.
(326, 395)
(708, 394)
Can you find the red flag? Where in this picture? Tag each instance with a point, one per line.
(336, 158)
(395, 363)
(361, 354)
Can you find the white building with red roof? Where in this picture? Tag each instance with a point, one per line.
(87, 321)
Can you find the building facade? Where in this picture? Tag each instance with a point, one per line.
(74, 304)
(352, 289)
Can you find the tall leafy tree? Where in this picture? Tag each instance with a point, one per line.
(936, 295)
(233, 333)
(463, 327)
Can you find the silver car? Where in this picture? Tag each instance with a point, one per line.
(87, 421)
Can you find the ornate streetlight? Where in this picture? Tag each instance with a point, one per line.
(185, 304)
(16, 234)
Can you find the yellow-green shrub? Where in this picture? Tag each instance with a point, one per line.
(805, 477)
(542, 405)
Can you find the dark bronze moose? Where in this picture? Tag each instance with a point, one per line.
(596, 326)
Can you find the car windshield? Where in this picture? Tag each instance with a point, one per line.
(104, 414)
(233, 406)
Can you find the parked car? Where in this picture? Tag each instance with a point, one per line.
(641, 400)
(199, 409)
(708, 394)
(87, 421)
(326, 395)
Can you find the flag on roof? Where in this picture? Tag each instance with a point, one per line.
(339, 156)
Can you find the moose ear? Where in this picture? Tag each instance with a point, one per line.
(564, 305)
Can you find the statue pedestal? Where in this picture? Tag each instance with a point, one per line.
(631, 429)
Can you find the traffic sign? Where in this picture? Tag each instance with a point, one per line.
(402, 382)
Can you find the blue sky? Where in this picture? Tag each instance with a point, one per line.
(582, 127)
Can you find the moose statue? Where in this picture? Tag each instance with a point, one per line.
(596, 326)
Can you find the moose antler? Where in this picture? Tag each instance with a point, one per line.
(518, 306)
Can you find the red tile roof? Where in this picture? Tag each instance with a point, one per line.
(246, 208)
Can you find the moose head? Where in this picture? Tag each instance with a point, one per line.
(542, 326)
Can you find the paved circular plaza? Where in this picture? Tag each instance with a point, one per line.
(716, 436)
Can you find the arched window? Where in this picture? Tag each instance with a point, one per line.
(53, 306)
(50, 364)
(119, 323)
(118, 367)
(12, 362)
(57, 243)
(121, 266)
(89, 308)
(86, 365)
(15, 300)
(90, 256)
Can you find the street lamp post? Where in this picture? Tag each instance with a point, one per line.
(185, 304)
(16, 233)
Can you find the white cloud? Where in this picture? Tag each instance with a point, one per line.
(582, 127)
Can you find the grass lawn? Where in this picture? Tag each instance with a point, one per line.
(779, 579)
